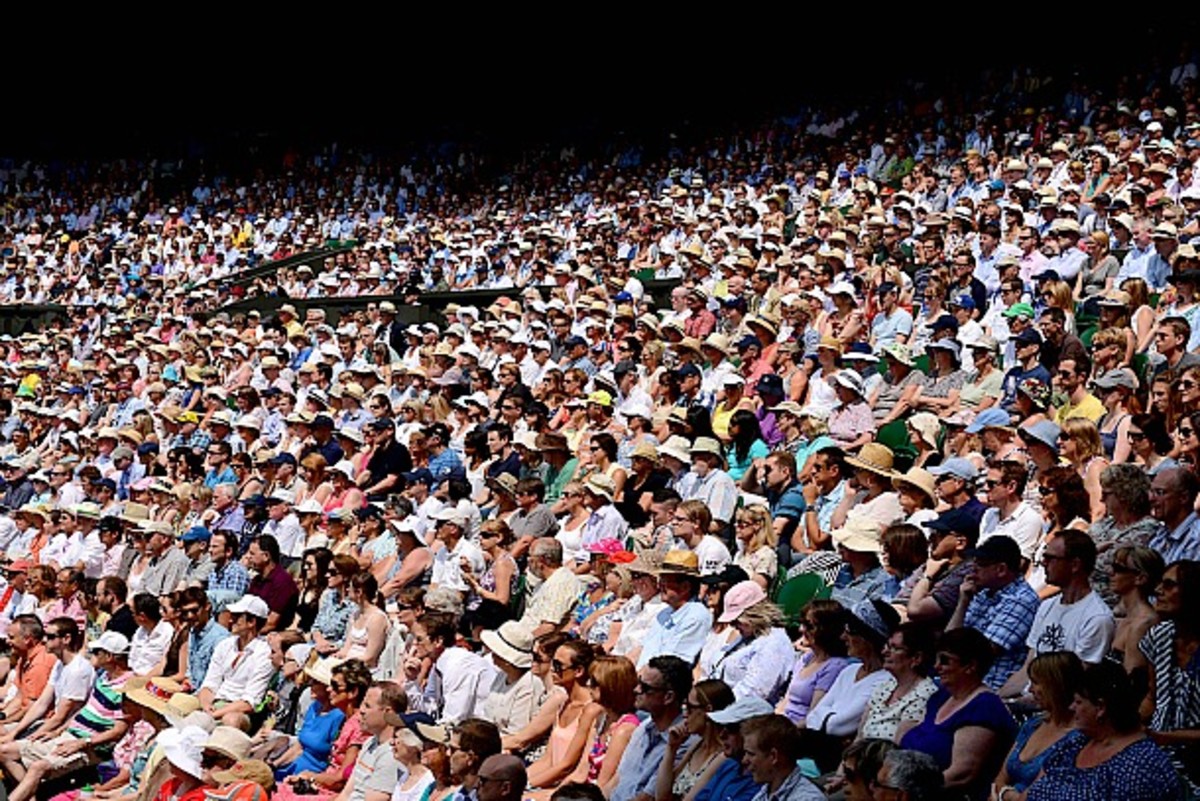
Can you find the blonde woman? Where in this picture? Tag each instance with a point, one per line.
(572, 515)
(759, 662)
(756, 541)
(1079, 443)
(1141, 316)
(1108, 350)
(1059, 295)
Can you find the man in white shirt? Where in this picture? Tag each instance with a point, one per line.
(457, 685)
(691, 523)
(153, 636)
(284, 526)
(68, 689)
(1077, 619)
(1008, 513)
(457, 552)
(240, 669)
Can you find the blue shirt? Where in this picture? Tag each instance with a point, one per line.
(226, 476)
(1005, 617)
(677, 632)
(729, 783)
(442, 465)
(639, 764)
(231, 577)
(200, 649)
(1182, 542)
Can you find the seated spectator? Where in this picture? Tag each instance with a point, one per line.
(678, 773)
(614, 682)
(516, 694)
(531, 738)
(729, 778)
(336, 608)
(568, 738)
(772, 747)
(681, 628)
(65, 693)
(835, 718)
(905, 552)
(1075, 619)
(1008, 513)
(861, 576)
(34, 665)
(693, 526)
(966, 728)
(152, 638)
(756, 544)
(273, 584)
(898, 702)
(1053, 677)
(1136, 574)
(557, 592)
(320, 727)
(859, 770)
(1126, 521)
(240, 668)
(1125, 762)
(995, 600)
(367, 631)
(759, 661)
(822, 658)
(443, 679)
(663, 687)
(1172, 705)
(1173, 494)
(911, 774)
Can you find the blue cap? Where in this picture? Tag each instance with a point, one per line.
(574, 342)
(946, 322)
(957, 467)
(688, 370)
(748, 341)
(105, 483)
(282, 458)
(147, 448)
(963, 302)
(769, 384)
(256, 499)
(996, 186)
(860, 170)
(623, 297)
(989, 418)
(1044, 432)
(196, 534)
(421, 475)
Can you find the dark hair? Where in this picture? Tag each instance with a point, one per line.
(548, 643)
(480, 737)
(713, 693)
(906, 546)
(676, 673)
(457, 489)
(748, 431)
(69, 630)
(441, 628)
(502, 430)
(270, 546)
(146, 604)
(323, 557)
(607, 443)
(970, 646)
(1057, 315)
(699, 422)
(117, 586)
(367, 584)
(476, 439)
(830, 617)
(1154, 426)
(357, 676)
(1011, 472)
(578, 791)
(31, 626)
(869, 754)
(1120, 693)
(1079, 545)
(919, 640)
(193, 595)
(582, 653)
(1073, 498)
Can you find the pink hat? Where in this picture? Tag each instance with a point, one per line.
(741, 596)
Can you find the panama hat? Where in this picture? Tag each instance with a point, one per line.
(873, 457)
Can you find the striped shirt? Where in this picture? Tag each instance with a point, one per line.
(102, 710)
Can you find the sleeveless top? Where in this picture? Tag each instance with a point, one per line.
(1109, 439)
(1021, 774)
(561, 736)
(687, 778)
(599, 749)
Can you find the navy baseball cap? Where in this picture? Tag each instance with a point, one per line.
(575, 342)
(421, 475)
(282, 458)
(688, 370)
(962, 521)
(147, 448)
(769, 384)
(944, 323)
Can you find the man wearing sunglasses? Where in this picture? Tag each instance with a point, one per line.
(65, 693)
(663, 686)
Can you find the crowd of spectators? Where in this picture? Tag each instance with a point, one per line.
(895, 496)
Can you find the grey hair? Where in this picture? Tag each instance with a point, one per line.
(1130, 487)
(914, 772)
(444, 599)
(549, 549)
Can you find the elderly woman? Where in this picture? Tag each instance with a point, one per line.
(1108, 755)
(1126, 491)
(966, 727)
(898, 702)
(759, 661)
(851, 423)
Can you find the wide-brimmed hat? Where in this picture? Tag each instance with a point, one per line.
(228, 741)
(927, 426)
(874, 457)
(321, 671)
(181, 748)
(679, 563)
(707, 445)
(899, 352)
(602, 485)
(512, 642)
(249, 770)
(162, 695)
(860, 534)
(878, 617)
(676, 447)
(850, 380)
(644, 450)
(919, 478)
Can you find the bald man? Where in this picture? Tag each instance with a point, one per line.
(502, 777)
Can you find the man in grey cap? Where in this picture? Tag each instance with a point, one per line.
(732, 780)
